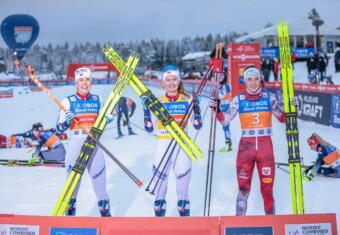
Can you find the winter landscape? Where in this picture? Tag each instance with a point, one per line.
(34, 191)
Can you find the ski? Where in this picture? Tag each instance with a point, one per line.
(29, 71)
(189, 147)
(26, 163)
(96, 132)
(292, 132)
(287, 164)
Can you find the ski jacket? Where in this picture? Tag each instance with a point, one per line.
(86, 112)
(255, 116)
(330, 155)
(224, 96)
(177, 109)
(27, 134)
(48, 139)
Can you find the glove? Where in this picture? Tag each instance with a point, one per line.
(124, 123)
(197, 101)
(197, 122)
(308, 175)
(148, 126)
(69, 117)
(213, 103)
(109, 118)
(295, 101)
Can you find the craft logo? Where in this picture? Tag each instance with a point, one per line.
(308, 106)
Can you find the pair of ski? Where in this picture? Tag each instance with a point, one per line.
(292, 132)
(26, 163)
(92, 140)
(156, 107)
(96, 131)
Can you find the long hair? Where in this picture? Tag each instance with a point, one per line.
(181, 89)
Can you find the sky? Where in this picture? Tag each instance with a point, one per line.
(130, 20)
(34, 191)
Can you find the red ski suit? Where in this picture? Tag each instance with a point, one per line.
(255, 146)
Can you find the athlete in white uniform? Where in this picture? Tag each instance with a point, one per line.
(176, 102)
(85, 108)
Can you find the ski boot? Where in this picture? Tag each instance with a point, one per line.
(35, 159)
(131, 132)
(71, 208)
(120, 134)
(104, 208)
(308, 175)
(228, 147)
(183, 207)
(160, 207)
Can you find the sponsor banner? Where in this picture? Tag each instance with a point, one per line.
(7, 94)
(335, 111)
(241, 56)
(248, 230)
(309, 229)
(94, 67)
(73, 231)
(7, 229)
(314, 107)
(301, 53)
(270, 52)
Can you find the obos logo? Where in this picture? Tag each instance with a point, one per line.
(336, 104)
(245, 104)
(90, 105)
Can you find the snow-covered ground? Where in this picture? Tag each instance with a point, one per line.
(34, 191)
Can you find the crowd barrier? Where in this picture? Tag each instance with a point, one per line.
(316, 103)
(308, 224)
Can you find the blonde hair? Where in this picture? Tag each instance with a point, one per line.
(181, 88)
(320, 140)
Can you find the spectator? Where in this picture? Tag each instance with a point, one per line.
(276, 68)
(337, 58)
(311, 63)
(266, 67)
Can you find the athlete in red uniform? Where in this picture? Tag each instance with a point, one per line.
(255, 107)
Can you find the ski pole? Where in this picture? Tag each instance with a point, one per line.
(28, 72)
(212, 133)
(183, 123)
(211, 154)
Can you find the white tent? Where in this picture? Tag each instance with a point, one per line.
(301, 31)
